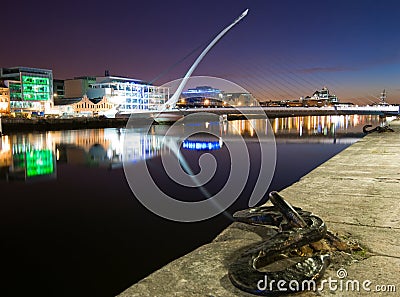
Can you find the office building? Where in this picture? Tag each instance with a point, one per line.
(31, 89)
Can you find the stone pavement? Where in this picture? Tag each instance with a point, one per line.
(356, 193)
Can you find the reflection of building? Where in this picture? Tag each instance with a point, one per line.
(93, 147)
(31, 89)
(201, 145)
(32, 163)
(27, 158)
(5, 151)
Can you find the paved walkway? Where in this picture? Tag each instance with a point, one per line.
(356, 193)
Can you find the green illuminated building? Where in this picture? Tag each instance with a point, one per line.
(31, 89)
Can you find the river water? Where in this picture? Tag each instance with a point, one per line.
(71, 225)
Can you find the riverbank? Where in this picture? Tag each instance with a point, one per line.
(355, 193)
(40, 124)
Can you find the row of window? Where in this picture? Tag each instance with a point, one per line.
(85, 105)
(137, 106)
(22, 104)
(35, 80)
(15, 87)
(36, 96)
(36, 88)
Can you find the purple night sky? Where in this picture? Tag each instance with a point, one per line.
(280, 50)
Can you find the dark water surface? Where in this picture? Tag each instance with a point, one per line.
(70, 225)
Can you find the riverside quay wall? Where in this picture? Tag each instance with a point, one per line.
(356, 193)
(10, 125)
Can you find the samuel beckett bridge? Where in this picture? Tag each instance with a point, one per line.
(254, 112)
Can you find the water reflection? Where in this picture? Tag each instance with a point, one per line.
(27, 157)
(202, 145)
(33, 156)
(311, 128)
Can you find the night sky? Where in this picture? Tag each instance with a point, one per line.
(280, 50)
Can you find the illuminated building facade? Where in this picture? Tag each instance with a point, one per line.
(203, 91)
(202, 96)
(92, 107)
(4, 100)
(99, 94)
(216, 95)
(129, 94)
(31, 89)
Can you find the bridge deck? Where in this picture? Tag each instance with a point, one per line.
(273, 112)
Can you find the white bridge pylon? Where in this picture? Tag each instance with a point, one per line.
(175, 97)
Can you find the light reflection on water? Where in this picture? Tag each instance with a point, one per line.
(32, 155)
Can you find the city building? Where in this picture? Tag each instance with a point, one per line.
(86, 95)
(31, 89)
(58, 89)
(209, 96)
(240, 99)
(324, 95)
(203, 91)
(92, 107)
(129, 94)
(4, 99)
(202, 96)
(78, 86)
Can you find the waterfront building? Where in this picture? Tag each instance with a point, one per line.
(4, 99)
(202, 96)
(203, 91)
(31, 89)
(197, 96)
(99, 94)
(240, 99)
(58, 89)
(324, 95)
(77, 87)
(129, 94)
(92, 107)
